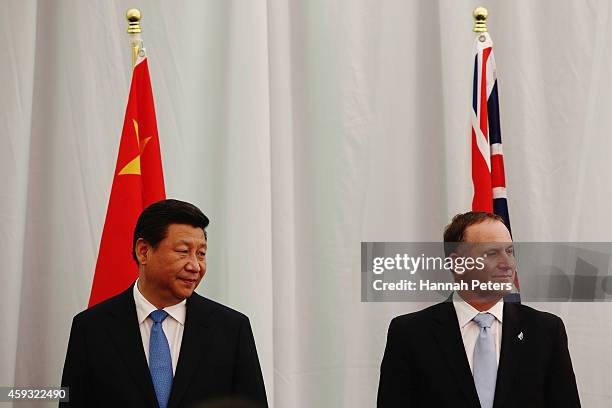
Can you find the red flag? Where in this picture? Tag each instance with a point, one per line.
(138, 182)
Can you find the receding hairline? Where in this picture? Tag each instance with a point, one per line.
(486, 220)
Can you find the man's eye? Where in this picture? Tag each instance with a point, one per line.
(202, 254)
(182, 251)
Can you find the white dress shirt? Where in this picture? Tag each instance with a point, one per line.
(470, 330)
(173, 325)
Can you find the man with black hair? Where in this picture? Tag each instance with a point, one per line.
(160, 344)
(476, 350)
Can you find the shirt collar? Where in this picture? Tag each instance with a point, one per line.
(144, 307)
(466, 312)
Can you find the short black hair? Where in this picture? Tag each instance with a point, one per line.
(152, 225)
(455, 231)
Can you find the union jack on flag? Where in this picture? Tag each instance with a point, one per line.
(487, 155)
(488, 175)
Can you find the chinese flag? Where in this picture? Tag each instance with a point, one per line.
(138, 182)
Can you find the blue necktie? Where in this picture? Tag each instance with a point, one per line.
(485, 360)
(160, 360)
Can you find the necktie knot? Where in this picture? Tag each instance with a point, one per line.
(158, 316)
(484, 320)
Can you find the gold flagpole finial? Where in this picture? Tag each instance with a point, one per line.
(134, 30)
(480, 20)
(133, 18)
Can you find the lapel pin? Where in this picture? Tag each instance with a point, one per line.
(520, 336)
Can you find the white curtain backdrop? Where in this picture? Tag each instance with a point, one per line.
(301, 128)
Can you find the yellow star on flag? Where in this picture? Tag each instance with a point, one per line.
(133, 167)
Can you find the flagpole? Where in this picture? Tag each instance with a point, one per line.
(134, 30)
(480, 20)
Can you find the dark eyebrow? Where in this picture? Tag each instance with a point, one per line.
(188, 243)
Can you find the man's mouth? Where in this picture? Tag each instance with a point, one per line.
(503, 275)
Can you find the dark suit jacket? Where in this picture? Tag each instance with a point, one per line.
(425, 364)
(106, 364)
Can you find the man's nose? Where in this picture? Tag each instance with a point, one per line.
(506, 261)
(193, 264)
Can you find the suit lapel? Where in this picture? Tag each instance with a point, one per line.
(126, 335)
(196, 335)
(448, 336)
(511, 354)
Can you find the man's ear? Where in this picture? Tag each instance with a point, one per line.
(142, 250)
